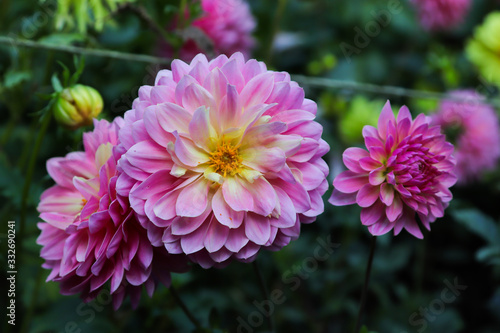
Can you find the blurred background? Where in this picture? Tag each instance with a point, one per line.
(350, 56)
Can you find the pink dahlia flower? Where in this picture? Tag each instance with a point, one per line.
(90, 234)
(228, 26)
(223, 158)
(441, 14)
(406, 170)
(477, 136)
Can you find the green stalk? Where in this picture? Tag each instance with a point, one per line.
(29, 173)
(365, 285)
(265, 293)
(184, 308)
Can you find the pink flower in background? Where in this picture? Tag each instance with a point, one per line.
(442, 14)
(406, 170)
(475, 128)
(223, 158)
(90, 235)
(228, 25)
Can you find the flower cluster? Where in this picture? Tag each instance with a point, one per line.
(214, 162)
(473, 127)
(441, 14)
(405, 172)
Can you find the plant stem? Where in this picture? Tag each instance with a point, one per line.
(29, 173)
(85, 51)
(184, 308)
(420, 266)
(342, 85)
(265, 293)
(275, 28)
(27, 319)
(365, 285)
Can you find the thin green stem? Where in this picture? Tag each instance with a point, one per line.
(365, 285)
(327, 83)
(27, 319)
(85, 51)
(420, 266)
(184, 308)
(275, 28)
(29, 173)
(264, 291)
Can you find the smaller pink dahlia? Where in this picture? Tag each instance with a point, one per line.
(474, 129)
(407, 170)
(441, 14)
(228, 24)
(90, 234)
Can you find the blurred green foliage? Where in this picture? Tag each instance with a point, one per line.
(408, 275)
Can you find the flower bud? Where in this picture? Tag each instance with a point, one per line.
(76, 106)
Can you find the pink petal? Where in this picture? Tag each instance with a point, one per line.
(236, 239)
(257, 228)
(264, 159)
(216, 236)
(367, 195)
(196, 96)
(171, 117)
(216, 83)
(149, 157)
(395, 210)
(236, 195)
(349, 182)
(342, 199)
(192, 199)
(412, 227)
(257, 90)
(352, 157)
(385, 117)
(224, 214)
(377, 176)
(230, 109)
(233, 74)
(387, 194)
(372, 214)
(165, 207)
(263, 194)
(200, 129)
(194, 242)
(381, 228)
(288, 215)
(188, 153)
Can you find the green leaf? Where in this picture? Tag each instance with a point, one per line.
(66, 74)
(490, 254)
(79, 66)
(13, 78)
(56, 84)
(62, 38)
(479, 223)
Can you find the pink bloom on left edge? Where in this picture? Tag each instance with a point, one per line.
(90, 235)
(473, 127)
(223, 158)
(437, 15)
(406, 171)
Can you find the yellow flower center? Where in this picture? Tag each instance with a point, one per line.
(225, 159)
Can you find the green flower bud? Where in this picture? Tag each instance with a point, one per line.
(76, 106)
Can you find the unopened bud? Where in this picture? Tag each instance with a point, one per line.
(76, 106)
